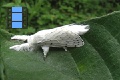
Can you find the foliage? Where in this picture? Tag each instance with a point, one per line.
(98, 59)
(52, 13)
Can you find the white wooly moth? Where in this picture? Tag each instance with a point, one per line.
(64, 36)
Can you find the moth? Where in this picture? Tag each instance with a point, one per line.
(64, 36)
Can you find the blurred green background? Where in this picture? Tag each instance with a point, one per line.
(44, 14)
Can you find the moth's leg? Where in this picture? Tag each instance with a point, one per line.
(65, 48)
(20, 37)
(45, 51)
(22, 47)
(15, 47)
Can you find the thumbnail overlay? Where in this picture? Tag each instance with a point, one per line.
(17, 17)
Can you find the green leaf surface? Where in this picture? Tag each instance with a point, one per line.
(99, 59)
(9, 5)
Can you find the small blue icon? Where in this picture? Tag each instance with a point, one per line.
(16, 24)
(16, 9)
(17, 17)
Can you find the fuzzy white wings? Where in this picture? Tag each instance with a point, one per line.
(62, 38)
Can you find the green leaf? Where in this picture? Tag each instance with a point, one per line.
(59, 64)
(99, 59)
(17, 2)
(9, 5)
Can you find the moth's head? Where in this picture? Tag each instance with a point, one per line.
(83, 29)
